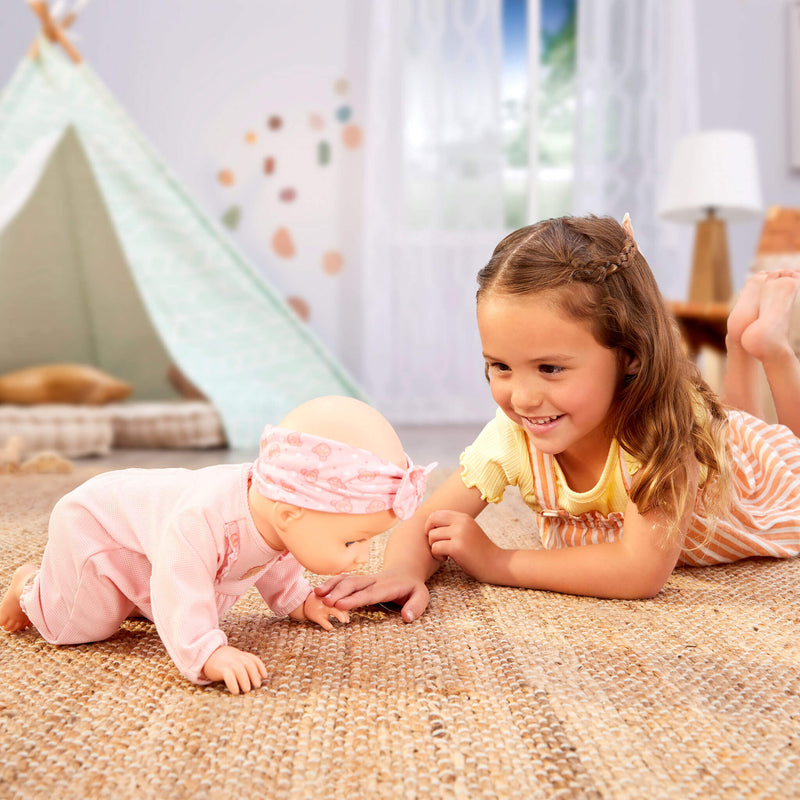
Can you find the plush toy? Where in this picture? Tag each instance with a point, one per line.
(78, 384)
(12, 459)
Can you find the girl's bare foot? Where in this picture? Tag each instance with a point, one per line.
(768, 337)
(745, 310)
(12, 617)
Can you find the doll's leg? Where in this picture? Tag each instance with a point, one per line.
(740, 383)
(74, 606)
(12, 617)
(768, 339)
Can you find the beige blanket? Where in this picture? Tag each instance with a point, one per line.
(494, 693)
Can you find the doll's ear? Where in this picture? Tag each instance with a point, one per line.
(627, 226)
(284, 514)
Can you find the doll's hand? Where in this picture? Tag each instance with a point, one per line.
(316, 611)
(241, 671)
(456, 535)
(389, 586)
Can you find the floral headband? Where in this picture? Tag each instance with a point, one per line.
(325, 475)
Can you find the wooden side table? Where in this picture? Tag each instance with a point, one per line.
(701, 324)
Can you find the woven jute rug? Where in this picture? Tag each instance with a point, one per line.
(494, 693)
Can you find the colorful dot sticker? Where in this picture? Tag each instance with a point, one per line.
(251, 137)
(343, 113)
(282, 243)
(300, 307)
(275, 123)
(332, 262)
(316, 122)
(341, 86)
(351, 136)
(287, 195)
(231, 218)
(323, 154)
(269, 165)
(226, 177)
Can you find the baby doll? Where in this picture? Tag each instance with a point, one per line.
(180, 547)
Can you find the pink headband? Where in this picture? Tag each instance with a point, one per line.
(326, 475)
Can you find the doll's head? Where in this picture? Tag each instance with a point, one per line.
(331, 476)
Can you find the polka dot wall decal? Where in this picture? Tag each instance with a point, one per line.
(343, 113)
(230, 219)
(250, 137)
(341, 86)
(287, 195)
(323, 153)
(316, 122)
(332, 262)
(269, 165)
(226, 177)
(352, 136)
(275, 123)
(282, 243)
(300, 307)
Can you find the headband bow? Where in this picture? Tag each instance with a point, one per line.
(325, 475)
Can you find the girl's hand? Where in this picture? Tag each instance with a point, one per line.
(315, 610)
(241, 671)
(389, 586)
(453, 534)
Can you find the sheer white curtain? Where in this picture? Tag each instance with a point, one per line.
(636, 95)
(433, 204)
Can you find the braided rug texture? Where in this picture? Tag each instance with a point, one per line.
(494, 693)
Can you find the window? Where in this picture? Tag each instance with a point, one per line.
(556, 109)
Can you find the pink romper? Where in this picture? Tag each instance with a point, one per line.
(176, 546)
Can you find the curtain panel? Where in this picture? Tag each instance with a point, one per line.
(637, 94)
(433, 204)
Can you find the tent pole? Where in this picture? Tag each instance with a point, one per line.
(53, 30)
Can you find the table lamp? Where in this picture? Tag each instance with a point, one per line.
(713, 178)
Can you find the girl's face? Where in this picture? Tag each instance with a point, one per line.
(548, 373)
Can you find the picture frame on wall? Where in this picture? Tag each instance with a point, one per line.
(794, 84)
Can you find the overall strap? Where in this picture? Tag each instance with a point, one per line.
(544, 478)
(623, 468)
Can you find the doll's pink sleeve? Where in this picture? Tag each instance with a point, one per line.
(283, 586)
(183, 597)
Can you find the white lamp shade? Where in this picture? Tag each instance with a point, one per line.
(713, 170)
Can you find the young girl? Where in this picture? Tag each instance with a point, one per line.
(630, 462)
(181, 546)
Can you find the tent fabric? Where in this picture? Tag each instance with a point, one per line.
(105, 258)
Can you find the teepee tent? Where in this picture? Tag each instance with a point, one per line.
(105, 259)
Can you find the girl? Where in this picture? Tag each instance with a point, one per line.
(181, 546)
(630, 462)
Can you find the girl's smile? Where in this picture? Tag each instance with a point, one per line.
(549, 374)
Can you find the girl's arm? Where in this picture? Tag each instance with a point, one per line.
(407, 561)
(636, 566)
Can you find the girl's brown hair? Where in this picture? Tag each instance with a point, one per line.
(664, 415)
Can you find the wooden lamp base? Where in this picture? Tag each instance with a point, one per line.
(711, 268)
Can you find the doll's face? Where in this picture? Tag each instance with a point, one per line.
(328, 544)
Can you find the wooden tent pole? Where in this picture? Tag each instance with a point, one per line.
(54, 31)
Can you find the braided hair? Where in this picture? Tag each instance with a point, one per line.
(664, 415)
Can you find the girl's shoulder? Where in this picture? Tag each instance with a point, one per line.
(497, 458)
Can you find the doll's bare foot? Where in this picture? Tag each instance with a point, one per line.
(745, 310)
(12, 617)
(768, 337)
